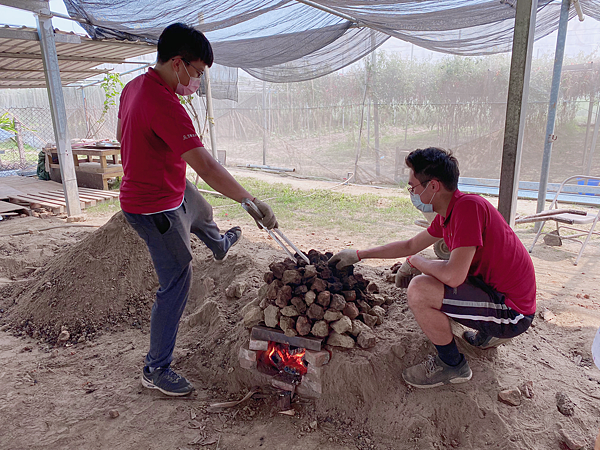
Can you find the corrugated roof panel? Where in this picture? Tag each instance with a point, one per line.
(21, 63)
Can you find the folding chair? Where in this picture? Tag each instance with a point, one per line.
(566, 218)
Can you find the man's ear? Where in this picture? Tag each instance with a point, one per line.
(175, 63)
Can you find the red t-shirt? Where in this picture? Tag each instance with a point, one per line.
(501, 259)
(155, 131)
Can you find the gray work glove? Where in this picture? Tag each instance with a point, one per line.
(269, 219)
(344, 258)
(406, 273)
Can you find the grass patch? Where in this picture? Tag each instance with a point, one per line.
(107, 207)
(379, 219)
(368, 214)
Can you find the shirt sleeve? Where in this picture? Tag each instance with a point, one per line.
(435, 228)
(468, 224)
(122, 100)
(173, 125)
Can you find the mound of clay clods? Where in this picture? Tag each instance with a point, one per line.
(105, 279)
(320, 300)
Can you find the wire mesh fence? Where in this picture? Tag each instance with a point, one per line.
(363, 121)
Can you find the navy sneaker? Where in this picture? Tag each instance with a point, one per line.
(233, 236)
(167, 381)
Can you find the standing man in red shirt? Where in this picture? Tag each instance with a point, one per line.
(157, 140)
(488, 283)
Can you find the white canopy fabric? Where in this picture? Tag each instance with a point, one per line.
(297, 40)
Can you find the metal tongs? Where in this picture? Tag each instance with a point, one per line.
(275, 233)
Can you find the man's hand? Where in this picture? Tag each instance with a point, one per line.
(405, 273)
(344, 258)
(269, 219)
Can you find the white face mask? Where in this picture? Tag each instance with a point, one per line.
(192, 86)
(418, 203)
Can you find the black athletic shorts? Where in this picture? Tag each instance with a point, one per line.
(478, 306)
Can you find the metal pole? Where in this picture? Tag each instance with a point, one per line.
(375, 106)
(264, 108)
(210, 113)
(516, 108)
(59, 114)
(594, 141)
(554, 90)
(587, 128)
(19, 133)
(85, 113)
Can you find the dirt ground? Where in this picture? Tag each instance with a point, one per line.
(99, 284)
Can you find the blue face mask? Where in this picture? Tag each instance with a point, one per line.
(416, 201)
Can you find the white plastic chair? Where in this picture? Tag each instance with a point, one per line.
(568, 220)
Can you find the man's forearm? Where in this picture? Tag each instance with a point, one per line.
(392, 250)
(451, 273)
(222, 181)
(215, 175)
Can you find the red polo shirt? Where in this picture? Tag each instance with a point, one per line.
(155, 131)
(501, 259)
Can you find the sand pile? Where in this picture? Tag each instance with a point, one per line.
(105, 279)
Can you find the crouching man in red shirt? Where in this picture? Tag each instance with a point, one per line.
(157, 140)
(488, 284)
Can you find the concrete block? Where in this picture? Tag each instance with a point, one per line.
(258, 345)
(317, 358)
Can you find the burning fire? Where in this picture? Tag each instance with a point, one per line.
(285, 360)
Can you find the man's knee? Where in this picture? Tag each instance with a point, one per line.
(425, 291)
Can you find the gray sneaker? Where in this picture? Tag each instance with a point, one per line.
(233, 237)
(434, 372)
(483, 341)
(167, 381)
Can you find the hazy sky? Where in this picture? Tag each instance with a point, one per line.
(581, 36)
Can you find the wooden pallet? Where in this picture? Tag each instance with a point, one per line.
(55, 200)
(10, 209)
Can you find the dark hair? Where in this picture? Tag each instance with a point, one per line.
(179, 39)
(434, 163)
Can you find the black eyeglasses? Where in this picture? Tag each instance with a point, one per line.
(200, 72)
(411, 189)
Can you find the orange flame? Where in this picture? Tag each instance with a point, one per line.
(286, 360)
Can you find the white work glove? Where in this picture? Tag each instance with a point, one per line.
(344, 258)
(269, 219)
(405, 273)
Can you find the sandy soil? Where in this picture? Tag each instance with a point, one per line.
(99, 284)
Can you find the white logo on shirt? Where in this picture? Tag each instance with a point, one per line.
(188, 136)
